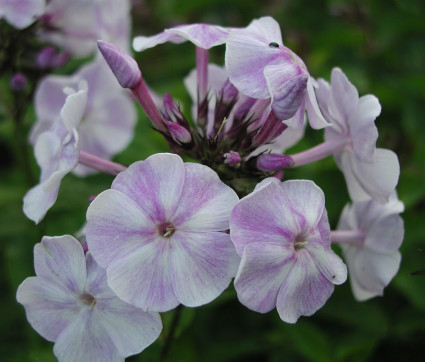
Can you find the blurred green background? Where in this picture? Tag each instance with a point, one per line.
(380, 45)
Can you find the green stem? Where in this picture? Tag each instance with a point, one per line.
(170, 336)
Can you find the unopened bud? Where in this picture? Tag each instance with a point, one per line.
(46, 58)
(179, 133)
(18, 83)
(123, 66)
(270, 162)
(228, 92)
(233, 159)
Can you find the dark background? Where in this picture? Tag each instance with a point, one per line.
(380, 46)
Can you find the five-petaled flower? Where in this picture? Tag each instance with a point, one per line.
(70, 303)
(282, 233)
(160, 233)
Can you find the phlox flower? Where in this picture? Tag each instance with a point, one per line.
(76, 25)
(282, 233)
(107, 124)
(260, 66)
(70, 303)
(202, 35)
(21, 13)
(370, 235)
(159, 233)
(56, 151)
(370, 172)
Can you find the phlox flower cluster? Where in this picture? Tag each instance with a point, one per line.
(171, 233)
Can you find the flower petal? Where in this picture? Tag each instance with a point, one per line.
(329, 264)
(202, 266)
(143, 277)
(205, 203)
(386, 234)
(306, 202)
(202, 35)
(141, 43)
(344, 94)
(49, 306)
(154, 184)
(369, 270)
(261, 273)
(261, 217)
(116, 225)
(378, 179)
(86, 339)
(315, 118)
(61, 259)
(304, 290)
(362, 127)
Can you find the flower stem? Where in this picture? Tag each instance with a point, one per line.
(320, 151)
(355, 237)
(141, 92)
(202, 71)
(100, 164)
(170, 336)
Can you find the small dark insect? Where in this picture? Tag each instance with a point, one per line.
(273, 45)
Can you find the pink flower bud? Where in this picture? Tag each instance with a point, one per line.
(18, 83)
(269, 162)
(123, 66)
(232, 158)
(179, 133)
(46, 58)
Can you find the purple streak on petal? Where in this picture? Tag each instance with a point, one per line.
(273, 223)
(50, 307)
(143, 278)
(201, 265)
(154, 184)
(261, 273)
(205, 203)
(85, 339)
(116, 226)
(62, 260)
(304, 290)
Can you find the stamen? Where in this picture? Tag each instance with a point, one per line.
(220, 129)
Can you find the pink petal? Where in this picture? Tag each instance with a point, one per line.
(49, 306)
(315, 117)
(344, 94)
(155, 184)
(116, 225)
(362, 127)
(202, 266)
(371, 271)
(21, 13)
(261, 273)
(143, 277)
(261, 217)
(304, 291)
(205, 203)
(61, 259)
(85, 339)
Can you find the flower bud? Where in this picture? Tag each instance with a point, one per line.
(18, 83)
(179, 133)
(232, 159)
(270, 162)
(123, 66)
(46, 58)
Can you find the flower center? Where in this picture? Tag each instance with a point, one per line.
(166, 229)
(88, 299)
(299, 243)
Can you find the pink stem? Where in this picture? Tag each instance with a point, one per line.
(141, 92)
(202, 72)
(355, 237)
(100, 164)
(320, 151)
